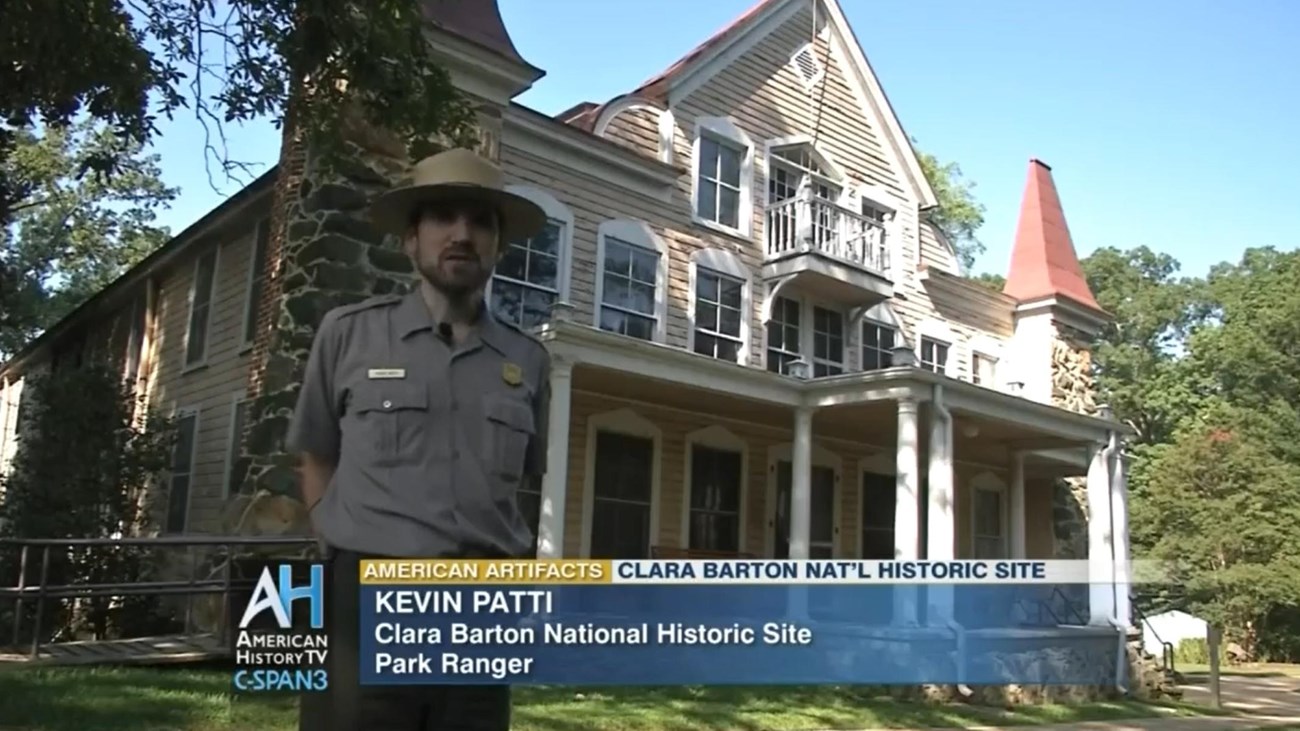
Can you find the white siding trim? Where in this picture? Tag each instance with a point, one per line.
(821, 457)
(716, 437)
(558, 212)
(702, 70)
(623, 421)
(726, 263)
(725, 131)
(989, 482)
(637, 233)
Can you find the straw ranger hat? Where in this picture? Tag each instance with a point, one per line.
(457, 174)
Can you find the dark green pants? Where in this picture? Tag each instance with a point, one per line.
(350, 706)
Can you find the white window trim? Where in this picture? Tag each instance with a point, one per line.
(988, 482)
(555, 212)
(883, 464)
(636, 233)
(186, 367)
(836, 172)
(725, 131)
(716, 437)
(821, 457)
(728, 264)
(938, 330)
(246, 345)
(179, 412)
(232, 441)
(987, 347)
(807, 338)
(883, 315)
(623, 421)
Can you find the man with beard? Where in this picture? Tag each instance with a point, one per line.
(419, 418)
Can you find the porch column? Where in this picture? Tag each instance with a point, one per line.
(1017, 505)
(801, 484)
(1119, 502)
(907, 508)
(1101, 593)
(941, 533)
(550, 524)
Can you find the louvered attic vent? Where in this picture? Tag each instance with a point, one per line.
(806, 65)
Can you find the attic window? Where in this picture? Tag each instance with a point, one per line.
(805, 64)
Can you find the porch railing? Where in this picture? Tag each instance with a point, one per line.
(807, 223)
(42, 591)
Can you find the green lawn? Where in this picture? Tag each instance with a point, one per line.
(143, 699)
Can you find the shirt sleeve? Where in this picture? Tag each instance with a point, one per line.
(535, 464)
(315, 425)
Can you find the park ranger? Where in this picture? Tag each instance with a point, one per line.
(420, 417)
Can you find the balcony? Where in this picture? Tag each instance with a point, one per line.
(819, 246)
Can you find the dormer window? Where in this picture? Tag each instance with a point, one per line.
(934, 355)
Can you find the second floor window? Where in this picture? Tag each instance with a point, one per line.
(783, 335)
(628, 289)
(527, 281)
(828, 342)
(718, 311)
(719, 183)
(201, 294)
(877, 345)
(934, 355)
(983, 370)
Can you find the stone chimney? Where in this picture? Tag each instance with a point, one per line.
(326, 252)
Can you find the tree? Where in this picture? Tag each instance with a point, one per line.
(1139, 372)
(97, 490)
(958, 215)
(1221, 508)
(300, 63)
(73, 235)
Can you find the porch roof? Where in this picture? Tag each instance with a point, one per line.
(585, 345)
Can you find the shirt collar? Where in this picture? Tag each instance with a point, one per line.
(413, 316)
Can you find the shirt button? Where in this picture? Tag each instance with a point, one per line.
(388, 404)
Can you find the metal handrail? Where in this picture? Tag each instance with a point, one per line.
(43, 590)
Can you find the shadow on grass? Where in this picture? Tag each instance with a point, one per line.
(199, 699)
(120, 698)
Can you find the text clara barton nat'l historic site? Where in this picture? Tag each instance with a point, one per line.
(765, 342)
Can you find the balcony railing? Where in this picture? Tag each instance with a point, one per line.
(807, 224)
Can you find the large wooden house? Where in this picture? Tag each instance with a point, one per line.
(762, 344)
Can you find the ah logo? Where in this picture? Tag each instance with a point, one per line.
(279, 597)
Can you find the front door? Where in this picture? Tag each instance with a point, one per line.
(821, 543)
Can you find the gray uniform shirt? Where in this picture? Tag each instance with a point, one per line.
(431, 440)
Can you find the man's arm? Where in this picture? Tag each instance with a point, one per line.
(535, 465)
(314, 431)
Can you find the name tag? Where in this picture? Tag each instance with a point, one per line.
(376, 373)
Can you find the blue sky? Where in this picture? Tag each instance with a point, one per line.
(1169, 123)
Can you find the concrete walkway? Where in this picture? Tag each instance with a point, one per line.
(1263, 701)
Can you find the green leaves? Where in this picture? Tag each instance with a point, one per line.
(1208, 371)
(75, 230)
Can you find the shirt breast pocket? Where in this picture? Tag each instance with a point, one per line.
(509, 430)
(390, 421)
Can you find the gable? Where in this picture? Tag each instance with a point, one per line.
(751, 40)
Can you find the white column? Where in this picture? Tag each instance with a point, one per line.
(555, 484)
(1119, 520)
(1016, 508)
(1101, 596)
(907, 508)
(801, 484)
(941, 533)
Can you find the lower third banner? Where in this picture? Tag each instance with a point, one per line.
(734, 634)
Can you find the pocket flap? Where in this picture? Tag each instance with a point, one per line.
(512, 413)
(389, 397)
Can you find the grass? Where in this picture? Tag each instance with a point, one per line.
(147, 699)
(1274, 670)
